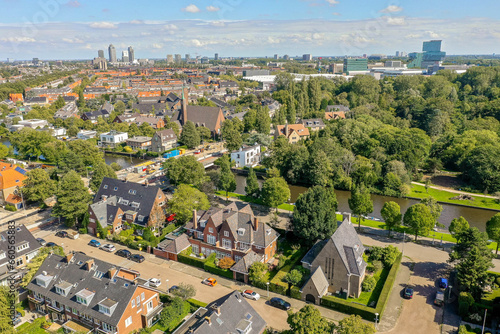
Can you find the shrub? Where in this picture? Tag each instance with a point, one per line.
(82, 230)
(390, 254)
(281, 262)
(185, 258)
(465, 301)
(376, 253)
(295, 292)
(226, 263)
(294, 277)
(9, 207)
(195, 304)
(256, 272)
(368, 283)
(127, 233)
(377, 266)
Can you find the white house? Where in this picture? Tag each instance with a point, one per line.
(34, 123)
(112, 138)
(247, 156)
(55, 132)
(86, 134)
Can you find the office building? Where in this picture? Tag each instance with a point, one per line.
(187, 57)
(170, 59)
(286, 57)
(100, 63)
(431, 55)
(397, 53)
(131, 54)
(307, 57)
(100, 54)
(216, 56)
(178, 58)
(276, 56)
(112, 53)
(355, 64)
(125, 58)
(36, 61)
(393, 63)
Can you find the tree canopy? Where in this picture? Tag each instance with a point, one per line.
(185, 200)
(73, 198)
(185, 170)
(419, 219)
(274, 192)
(309, 320)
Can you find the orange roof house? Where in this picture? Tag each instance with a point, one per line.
(293, 132)
(11, 177)
(16, 97)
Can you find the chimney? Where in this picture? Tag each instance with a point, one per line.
(89, 264)
(195, 219)
(209, 321)
(255, 223)
(111, 272)
(69, 257)
(218, 310)
(346, 216)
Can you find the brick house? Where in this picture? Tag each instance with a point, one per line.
(341, 261)
(119, 201)
(170, 248)
(11, 179)
(86, 294)
(163, 140)
(234, 232)
(292, 132)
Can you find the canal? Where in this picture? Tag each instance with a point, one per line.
(475, 217)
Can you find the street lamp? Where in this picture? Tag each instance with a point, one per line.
(449, 291)
(166, 283)
(267, 283)
(376, 320)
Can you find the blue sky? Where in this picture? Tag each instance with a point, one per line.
(76, 29)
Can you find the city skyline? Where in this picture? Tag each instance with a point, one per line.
(75, 30)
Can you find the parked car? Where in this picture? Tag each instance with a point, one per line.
(408, 293)
(443, 283)
(108, 248)
(251, 294)
(137, 258)
(210, 281)
(62, 234)
(154, 282)
(439, 301)
(279, 303)
(50, 244)
(94, 243)
(123, 253)
(41, 241)
(173, 288)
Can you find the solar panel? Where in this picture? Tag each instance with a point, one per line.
(248, 316)
(20, 170)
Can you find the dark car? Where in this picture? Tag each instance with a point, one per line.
(173, 288)
(408, 293)
(41, 241)
(279, 303)
(50, 244)
(137, 258)
(123, 253)
(62, 234)
(80, 252)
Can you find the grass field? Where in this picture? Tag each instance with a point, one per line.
(32, 328)
(444, 196)
(366, 297)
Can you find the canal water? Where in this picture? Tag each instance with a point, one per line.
(475, 217)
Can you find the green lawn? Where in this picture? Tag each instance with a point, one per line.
(489, 297)
(366, 297)
(250, 199)
(32, 328)
(444, 196)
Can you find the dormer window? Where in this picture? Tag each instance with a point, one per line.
(43, 280)
(63, 288)
(107, 306)
(241, 231)
(84, 296)
(133, 192)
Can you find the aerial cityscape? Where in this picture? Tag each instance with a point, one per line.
(303, 166)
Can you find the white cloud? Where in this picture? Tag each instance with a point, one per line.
(114, 35)
(145, 33)
(213, 9)
(332, 2)
(336, 13)
(18, 39)
(191, 9)
(157, 46)
(391, 9)
(136, 22)
(74, 4)
(73, 40)
(217, 24)
(433, 34)
(103, 25)
(396, 21)
(170, 27)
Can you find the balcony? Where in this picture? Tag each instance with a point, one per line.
(102, 331)
(55, 308)
(38, 300)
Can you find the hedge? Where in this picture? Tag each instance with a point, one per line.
(295, 293)
(277, 285)
(367, 313)
(211, 267)
(196, 303)
(185, 258)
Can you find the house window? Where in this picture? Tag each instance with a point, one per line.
(133, 302)
(226, 243)
(237, 258)
(226, 233)
(128, 321)
(142, 296)
(19, 261)
(200, 235)
(140, 218)
(210, 230)
(138, 301)
(196, 249)
(211, 239)
(115, 188)
(75, 312)
(2, 256)
(149, 306)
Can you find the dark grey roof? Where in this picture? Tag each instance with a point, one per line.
(314, 251)
(165, 135)
(105, 210)
(200, 116)
(95, 114)
(22, 236)
(107, 107)
(131, 192)
(246, 261)
(350, 247)
(37, 99)
(147, 108)
(176, 245)
(75, 272)
(337, 107)
(313, 122)
(318, 279)
(235, 311)
(224, 84)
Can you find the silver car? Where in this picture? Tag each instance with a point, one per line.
(108, 248)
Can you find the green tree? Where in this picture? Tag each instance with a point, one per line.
(185, 170)
(4, 151)
(249, 120)
(119, 107)
(116, 167)
(493, 229)
(185, 200)
(256, 272)
(133, 130)
(184, 291)
(457, 226)
(30, 141)
(293, 277)
(231, 136)
(472, 259)
(252, 187)
(81, 99)
(189, 136)
(391, 213)
(204, 132)
(360, 202)
(314, 215)
(73, 198)
(308, 320)
(227, 181)
(263, 120)
(353, 324)
(59, 103)
(275, 191)
(419, 219)
(38, 186)
(434, 207)
(101, 170)
(146, 130)
(72, 131)
(87, 151)
(7, 298)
